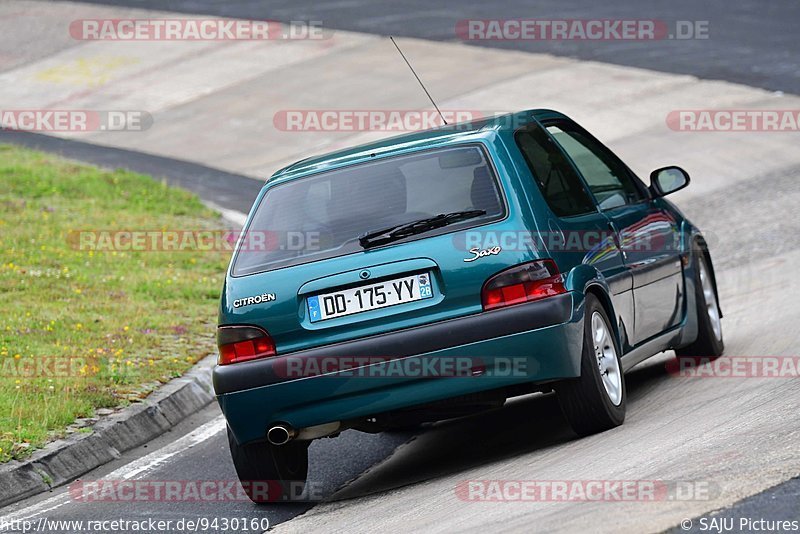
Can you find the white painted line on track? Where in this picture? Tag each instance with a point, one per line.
(131, 471)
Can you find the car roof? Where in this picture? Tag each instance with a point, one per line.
(412, 140)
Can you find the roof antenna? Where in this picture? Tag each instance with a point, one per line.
(420, 81)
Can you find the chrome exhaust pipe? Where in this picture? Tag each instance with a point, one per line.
(281, 434)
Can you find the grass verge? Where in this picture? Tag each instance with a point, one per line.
(82, 330)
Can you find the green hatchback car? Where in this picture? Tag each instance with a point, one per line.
(439, 273)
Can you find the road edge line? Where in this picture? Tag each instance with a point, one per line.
(64, 460)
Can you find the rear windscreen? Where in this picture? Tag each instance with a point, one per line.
(323, 215)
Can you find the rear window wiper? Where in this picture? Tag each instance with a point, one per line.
(394, 233)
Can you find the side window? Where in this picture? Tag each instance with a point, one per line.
(559, 183)
(607, 177)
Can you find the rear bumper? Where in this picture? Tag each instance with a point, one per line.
(534, 342)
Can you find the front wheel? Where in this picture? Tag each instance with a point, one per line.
(270, 473)
(596, 401)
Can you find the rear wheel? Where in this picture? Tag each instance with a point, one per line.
(596, 401)
(270, 473)
(709, 342)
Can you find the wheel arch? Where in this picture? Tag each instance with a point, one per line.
(699, 244)
(585, 279)
(601, 293)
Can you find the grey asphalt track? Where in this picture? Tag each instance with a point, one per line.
(750, 42)
(753, 42)
(334, 462)
(777, 504)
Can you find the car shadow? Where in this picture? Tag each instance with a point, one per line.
(524, 425)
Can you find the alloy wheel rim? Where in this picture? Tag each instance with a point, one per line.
(607, 361)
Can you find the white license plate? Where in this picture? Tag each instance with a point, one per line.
(369, 297)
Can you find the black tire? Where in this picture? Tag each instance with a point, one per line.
(270, 473)
(707, 345)
(584, 401)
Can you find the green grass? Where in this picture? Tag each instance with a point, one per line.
(125, 321)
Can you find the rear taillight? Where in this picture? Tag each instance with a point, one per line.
(523, 283)
(243, 343)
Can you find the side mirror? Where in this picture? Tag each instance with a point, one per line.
(667, 180)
